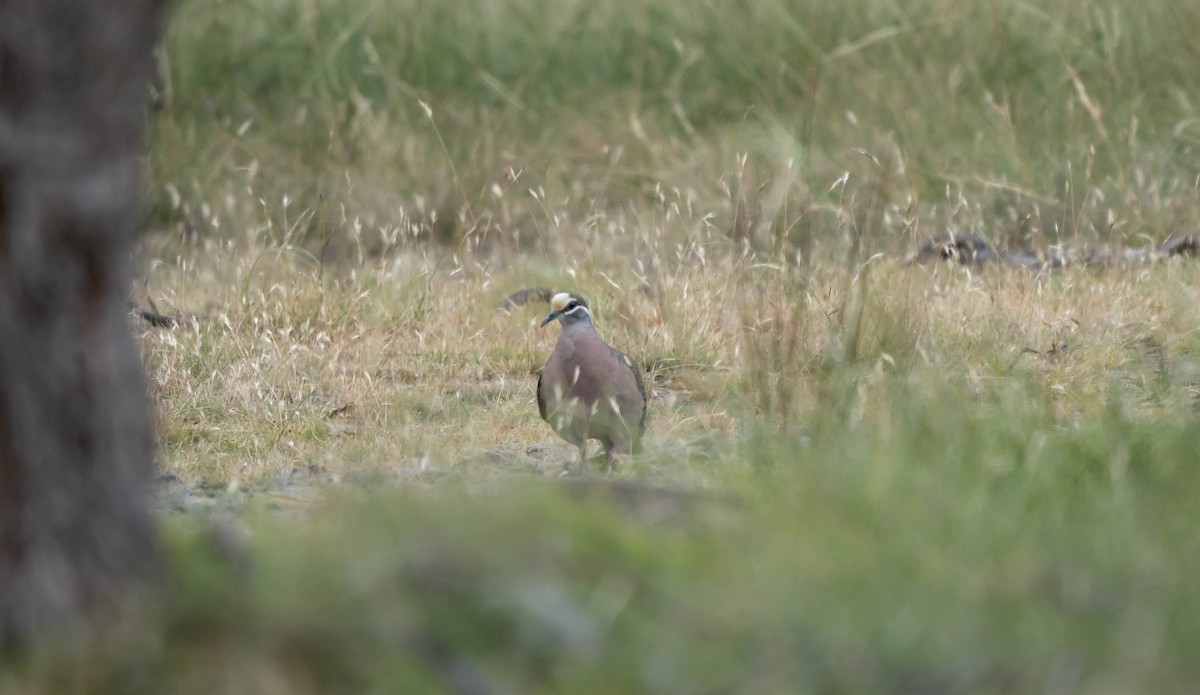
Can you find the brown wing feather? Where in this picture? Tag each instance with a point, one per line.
(531, 294)
(524, 296)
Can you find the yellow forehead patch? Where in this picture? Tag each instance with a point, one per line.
(559, 301)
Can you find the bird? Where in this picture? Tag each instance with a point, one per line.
(589, 390)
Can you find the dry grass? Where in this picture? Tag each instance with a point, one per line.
(403, 363)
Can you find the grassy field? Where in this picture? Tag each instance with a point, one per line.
(860, 475)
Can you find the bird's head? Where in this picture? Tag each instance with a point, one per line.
(570, 309)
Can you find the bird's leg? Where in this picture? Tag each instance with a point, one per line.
(610, 460)
(582, 459)
(583, 440)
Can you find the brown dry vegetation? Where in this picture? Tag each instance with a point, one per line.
(404, 364)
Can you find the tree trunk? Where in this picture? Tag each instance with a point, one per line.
(76, 440)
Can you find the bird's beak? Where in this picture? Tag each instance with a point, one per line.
(550, 317)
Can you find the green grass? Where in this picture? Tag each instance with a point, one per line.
(871, 561)
(994, 112)
(859, 475)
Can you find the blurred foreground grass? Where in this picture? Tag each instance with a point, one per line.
(869, 560)
(859, 475)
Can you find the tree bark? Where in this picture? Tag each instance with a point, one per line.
(76, 440)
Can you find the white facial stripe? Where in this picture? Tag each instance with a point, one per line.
(575, 311)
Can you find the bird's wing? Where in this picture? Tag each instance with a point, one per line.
(637, 377)
(541, 398)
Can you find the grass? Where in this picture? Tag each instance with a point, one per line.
(859, 475)
(255, 386)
